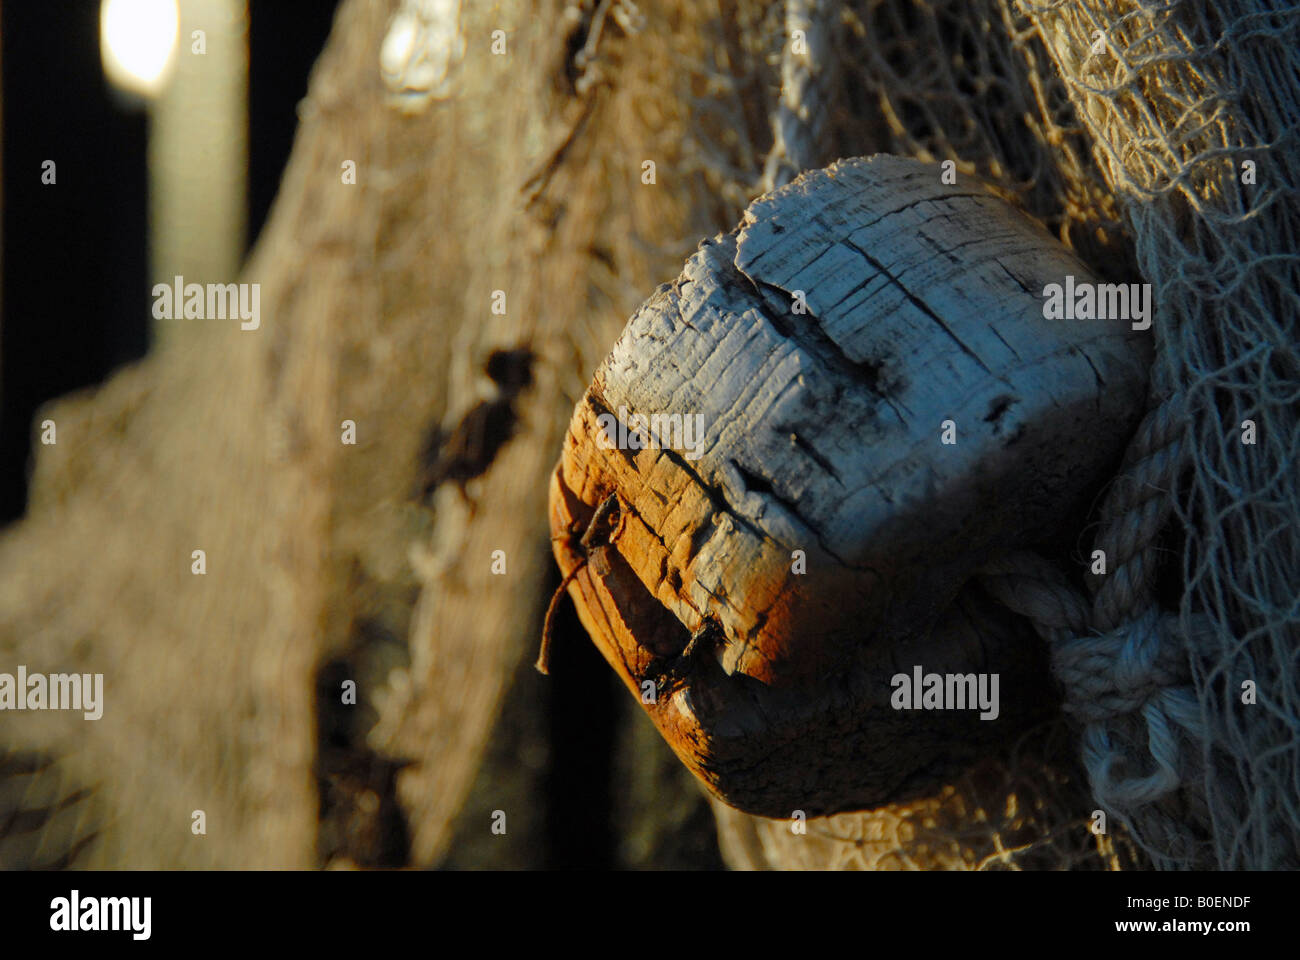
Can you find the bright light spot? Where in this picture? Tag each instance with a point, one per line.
(137, 40)
(423, 46)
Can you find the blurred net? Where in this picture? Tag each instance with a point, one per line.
(1122, 126)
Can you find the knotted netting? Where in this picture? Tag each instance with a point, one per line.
(1194, 110)
(1159, 141)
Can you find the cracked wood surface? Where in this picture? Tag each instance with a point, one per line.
(376, 307)
(823, 435)
(373, 312)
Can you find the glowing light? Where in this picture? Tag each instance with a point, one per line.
(423, 46)
(137, 42)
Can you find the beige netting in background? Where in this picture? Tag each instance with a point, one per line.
(1128, 144)
(1194, 109)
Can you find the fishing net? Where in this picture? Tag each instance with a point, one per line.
(1153, 138)
(1193, 109)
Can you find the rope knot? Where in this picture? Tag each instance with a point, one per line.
(1132, 692)
(1117, 673)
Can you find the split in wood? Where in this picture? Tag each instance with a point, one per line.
(824, 438)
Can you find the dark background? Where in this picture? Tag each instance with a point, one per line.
(76, 306)
(76, 292)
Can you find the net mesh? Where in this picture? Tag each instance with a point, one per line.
(1156, 139)
(1023, 812)
(1192, 108)
(1131, 152)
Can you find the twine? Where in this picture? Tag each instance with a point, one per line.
(1124, 666)
(1171, 106)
